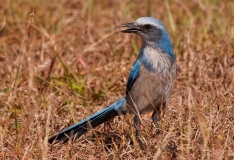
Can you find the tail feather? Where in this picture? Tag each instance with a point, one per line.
(80, 128)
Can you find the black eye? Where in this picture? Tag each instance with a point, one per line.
(147, 27)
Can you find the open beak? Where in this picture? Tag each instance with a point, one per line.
(131, 28)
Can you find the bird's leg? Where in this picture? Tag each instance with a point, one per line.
(137, 123)
(155, 118)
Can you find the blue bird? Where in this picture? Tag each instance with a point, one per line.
(150, 82)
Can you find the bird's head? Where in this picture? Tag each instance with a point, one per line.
(152, 31)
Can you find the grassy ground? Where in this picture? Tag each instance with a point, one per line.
(61, 61)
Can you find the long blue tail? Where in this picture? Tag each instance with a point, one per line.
(80, 128)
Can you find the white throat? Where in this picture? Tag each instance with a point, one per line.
(156, 60)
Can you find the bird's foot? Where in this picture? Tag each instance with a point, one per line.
(158, 131)
(139, 139)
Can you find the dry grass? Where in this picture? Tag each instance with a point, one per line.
(61, 61)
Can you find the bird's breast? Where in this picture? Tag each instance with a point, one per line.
(151, 89)
(155, 60)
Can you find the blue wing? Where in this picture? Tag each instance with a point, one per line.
(133, 75)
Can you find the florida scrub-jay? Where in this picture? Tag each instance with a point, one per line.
(150, 82)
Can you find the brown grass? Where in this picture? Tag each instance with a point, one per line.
(61, 61)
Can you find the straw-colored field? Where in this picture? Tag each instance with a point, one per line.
(61, 61)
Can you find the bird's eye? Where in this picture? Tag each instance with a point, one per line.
(147, 26)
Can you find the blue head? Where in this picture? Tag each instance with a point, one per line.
(153, 33)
